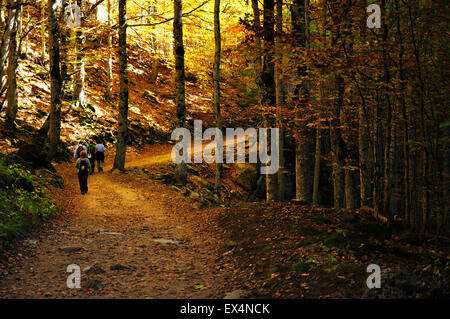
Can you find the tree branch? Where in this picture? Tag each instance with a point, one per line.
(169, 19)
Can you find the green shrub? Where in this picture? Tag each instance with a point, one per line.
(23, 201)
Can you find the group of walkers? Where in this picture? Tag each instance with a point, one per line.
(86, 156)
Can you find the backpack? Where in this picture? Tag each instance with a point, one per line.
(79, 150)
(91, 151)
(83, 167)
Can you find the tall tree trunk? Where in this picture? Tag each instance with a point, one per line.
(54, 132)
(43, 48)
(387, 187)
(303, 154)
(338, 147)
(122, 134)
(258, 59)
(180, 81)
(425, 178)
(63, 65)
(351, 193)
(27, 36)
(280, 96)
(445, 178)
(2, 14)
(217, 55)
(364, 162)
(315, 196)
(4, 49)
(79, 80)
(109, 86)
(19, 33)
(15, 9)
(317, 157)
(378, 147)
(268, 84)
(65, 33)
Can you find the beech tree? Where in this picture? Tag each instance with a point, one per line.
(122, 132)
(14, 12)
(180, 79)
(109, 87)
(303, 163)
(7, 25)
(268, 97)
(79, 90)
(280, 99)
(56, 86)
(217, 55)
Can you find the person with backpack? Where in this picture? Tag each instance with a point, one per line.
(100, 156)
(91, 156)
(78, 149)
(84, 167)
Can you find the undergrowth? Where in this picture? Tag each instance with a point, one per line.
(24, 202)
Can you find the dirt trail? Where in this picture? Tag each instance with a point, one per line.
(116, 229)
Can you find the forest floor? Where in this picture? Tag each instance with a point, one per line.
(134, 237)
(140, 238)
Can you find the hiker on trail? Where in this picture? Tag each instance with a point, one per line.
(91, 155)
(78, 149)
(100, 156)
(84, 167)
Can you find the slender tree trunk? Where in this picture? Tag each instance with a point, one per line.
(364, 162)
(43, 48)
(217, 55)
(445, 178)
(65, 33)
(387, 187)
(258, 59)
(279, 54)
(425, 176)
(338, 147)
(303, 148)
(79, 80)
(338, 171)
(109, 87)
(315, 196)
(268, 82)
(19, 33)
(352, 194)
(351, 200)
(54, 132)
(4, 49)
(14, 10)
(280, 100)
(3, 34)
(317, 157)
(27, 37)
(180, 81)
(2, 14)
(122, 134)
(413, 212)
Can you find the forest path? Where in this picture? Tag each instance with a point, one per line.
(141, 239)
